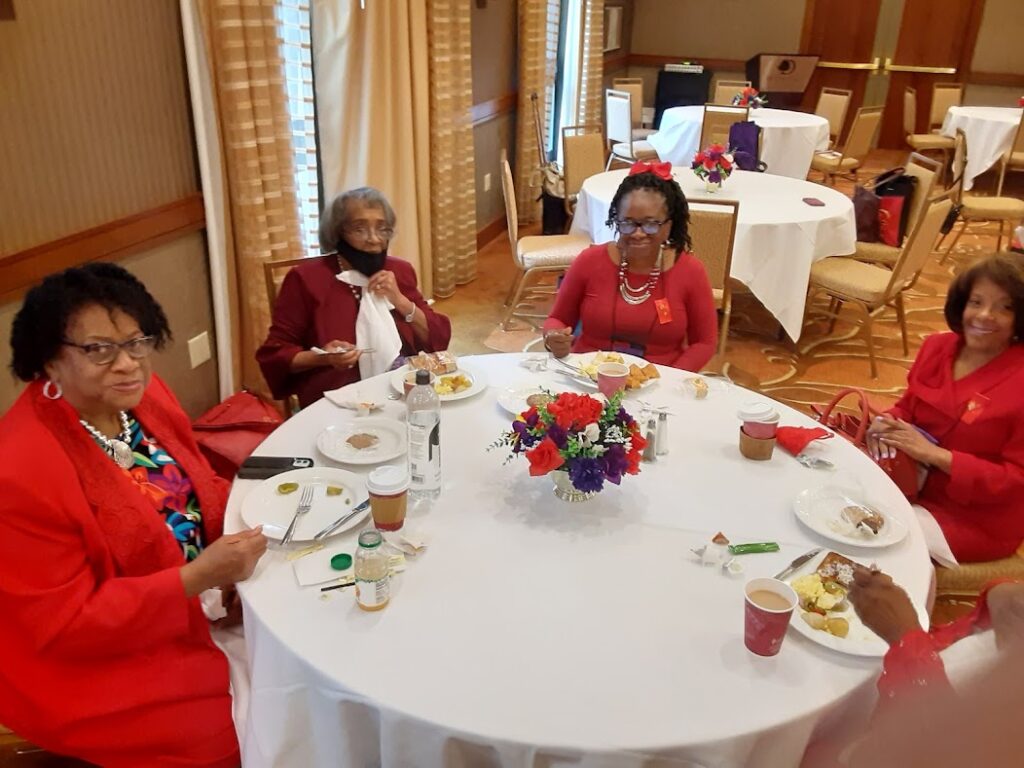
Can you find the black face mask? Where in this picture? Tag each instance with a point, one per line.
(362, 261)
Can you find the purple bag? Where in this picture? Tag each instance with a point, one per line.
(744, 139)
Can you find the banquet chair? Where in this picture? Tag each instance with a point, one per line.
(926, 171)
(922, 142)
(718, 119)
(968, 579)
(1005, 210)
(873, 289)
(858, 143)
(635, 87)
(618, 121)
(583, 150)
(833, 104)
(533, 255)
(713, 231)
(1013, 158)
(944, 96)
(726, 90)
(273, 274)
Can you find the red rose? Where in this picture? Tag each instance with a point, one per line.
(572, 411)
(725, 164)
(544, 458)
(716, 149)
(700, 158)
(709, 164)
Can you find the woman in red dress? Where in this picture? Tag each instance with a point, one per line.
(645, 293)
(962, 416)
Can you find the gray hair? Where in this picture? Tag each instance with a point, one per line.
(335, 214)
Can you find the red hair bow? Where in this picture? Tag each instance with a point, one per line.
(661, 170)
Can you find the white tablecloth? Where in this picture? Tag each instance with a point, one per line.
(789, 139)
(778, 235)
(989, 132)
(536, 632)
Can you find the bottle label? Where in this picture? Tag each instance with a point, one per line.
(371, 593)
(425, 455)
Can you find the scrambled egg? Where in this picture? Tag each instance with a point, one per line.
(450, 385)
(812, 593)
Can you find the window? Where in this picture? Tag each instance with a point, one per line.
(568, 74)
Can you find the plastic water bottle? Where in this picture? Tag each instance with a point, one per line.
(423, 420)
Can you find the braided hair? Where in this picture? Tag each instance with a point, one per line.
(675, 201)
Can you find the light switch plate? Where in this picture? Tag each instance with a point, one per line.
(199, 349)
(487, 182)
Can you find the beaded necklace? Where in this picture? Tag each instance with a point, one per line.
(119, 448)
(635, 296)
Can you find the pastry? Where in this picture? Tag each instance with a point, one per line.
(362, 440)
(438, 363)
(863, 517)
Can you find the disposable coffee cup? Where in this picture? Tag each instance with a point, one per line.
(760, 420)
(767, 607)
(611, 378)
(388, 487)
(409, 380)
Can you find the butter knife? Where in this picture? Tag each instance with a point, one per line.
(790, 569)
(342, 520)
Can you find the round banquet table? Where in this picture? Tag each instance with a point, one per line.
(537, 632)
(778, 235)
(989, 132)
(788, 139)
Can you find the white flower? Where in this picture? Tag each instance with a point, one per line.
(590, 434)
(614, 434)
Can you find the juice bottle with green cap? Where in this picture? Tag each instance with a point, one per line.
(372, 572)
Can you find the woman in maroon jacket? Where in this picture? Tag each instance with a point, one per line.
(314, 309)
(110, 528)
(962, 416)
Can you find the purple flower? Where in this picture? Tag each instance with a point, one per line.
(714, 177)
(587, 474)
(526, 440)
(615, 463)
(558, 435)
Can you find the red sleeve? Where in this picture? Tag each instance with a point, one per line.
(701, 319)
(972, 477)
(291, 328)
(911, 667)
(566, 311)
(439, 327)
(51, 590)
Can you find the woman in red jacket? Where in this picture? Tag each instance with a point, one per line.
(110, 528)
(645, 293)
(962, 416)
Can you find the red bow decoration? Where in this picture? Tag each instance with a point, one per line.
(661, 170)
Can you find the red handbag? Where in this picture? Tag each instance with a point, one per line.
(901, 469)
(229, 432)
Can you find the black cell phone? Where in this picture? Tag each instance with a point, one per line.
(262, 467)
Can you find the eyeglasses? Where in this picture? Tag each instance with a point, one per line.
(628, 226)
(104, 353)
(384, 233)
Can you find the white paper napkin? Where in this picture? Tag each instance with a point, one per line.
(316, 569)
(934, 538)
(375, 328)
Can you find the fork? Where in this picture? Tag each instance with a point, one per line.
(573, 368)
(305, 502)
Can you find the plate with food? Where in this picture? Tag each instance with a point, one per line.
(458, 384)
(365, 440)
(642, 374)
(842, 515)
(515, 400)
(824, 614)
(273, 502)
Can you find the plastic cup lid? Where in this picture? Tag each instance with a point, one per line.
(341, 562)
(757, 411)
(387, 480)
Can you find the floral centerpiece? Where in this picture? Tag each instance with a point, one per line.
(750, 97)
(583, 441)
(713, 165)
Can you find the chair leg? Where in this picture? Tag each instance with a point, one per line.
(901, 317)
(514, 287)
(511, 309)
(869, 338)
(835, 315)
(611, 159)
(956, 239)
(723, 330)
(999, 240)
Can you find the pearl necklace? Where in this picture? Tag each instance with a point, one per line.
(119, 448)
(635, 296)
(357, 293)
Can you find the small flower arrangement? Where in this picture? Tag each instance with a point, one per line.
(591, 441)
(750, 97)
(713, 165)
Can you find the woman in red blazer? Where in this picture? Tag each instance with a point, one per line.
(962, 416)
(110, 528)
(645, 294)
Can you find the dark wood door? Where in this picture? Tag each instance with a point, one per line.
(842, 33)
(933, 35)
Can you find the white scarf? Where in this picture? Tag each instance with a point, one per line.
(375, 328)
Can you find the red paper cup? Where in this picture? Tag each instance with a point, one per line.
(766, 617)
(611, 378)
(761, 430)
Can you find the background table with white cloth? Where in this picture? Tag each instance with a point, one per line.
(537, 632)
(989, 132)
(788, 139)
(778, 235)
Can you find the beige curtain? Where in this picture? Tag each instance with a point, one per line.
(259, 219)
(591, 106)
(452, 181)
(538, 58)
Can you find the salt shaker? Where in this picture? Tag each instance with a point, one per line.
(661, 441)
(651, 449)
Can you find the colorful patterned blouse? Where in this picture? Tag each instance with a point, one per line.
(162, 482)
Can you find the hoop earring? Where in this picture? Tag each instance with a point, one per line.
(52, 394)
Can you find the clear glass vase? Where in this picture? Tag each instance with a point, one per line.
(566, 491)
(712, 186)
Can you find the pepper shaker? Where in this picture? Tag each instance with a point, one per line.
(650, 450)
(661, 443)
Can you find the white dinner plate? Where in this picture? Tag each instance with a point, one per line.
(513, 399)
(820, 509)
(333, 442)
(263, 505)
(479, 382)
(582, 359)
(860, 641)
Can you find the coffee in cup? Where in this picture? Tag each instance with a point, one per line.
(768, 606)
(611, 378)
